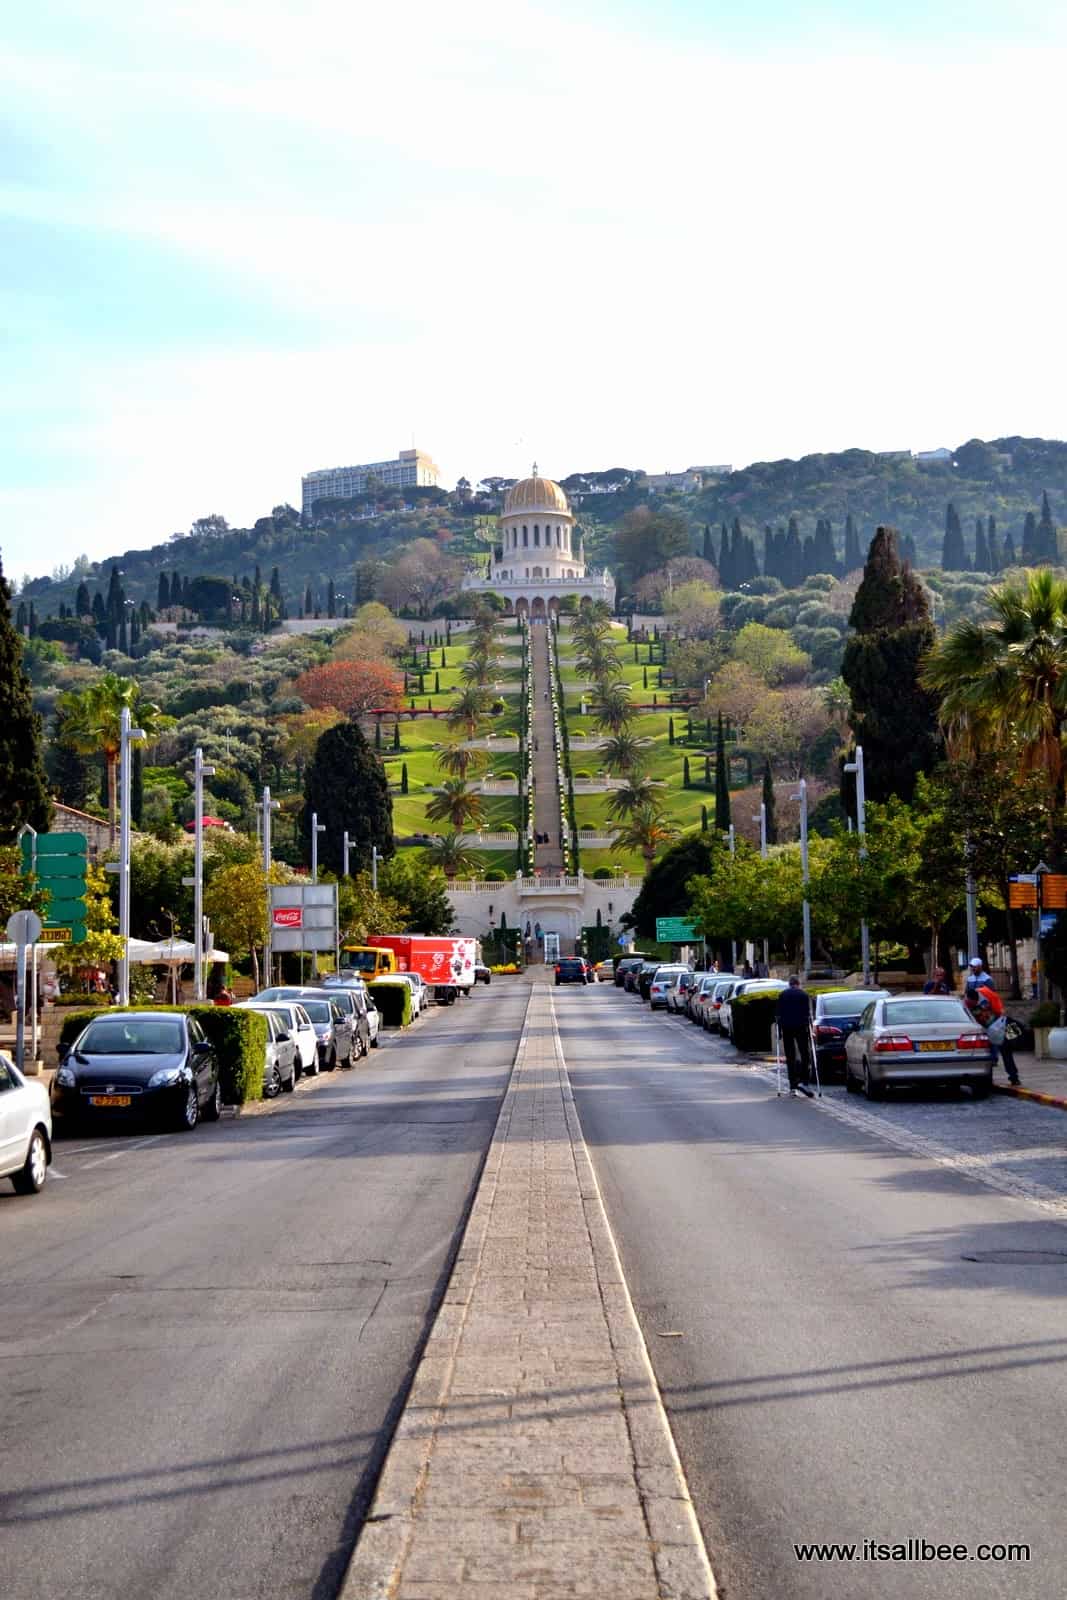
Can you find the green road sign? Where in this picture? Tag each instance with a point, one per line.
(59, 860)
(676, 930)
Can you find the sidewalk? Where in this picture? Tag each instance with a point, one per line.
(1043, 1081)
(533, 1459)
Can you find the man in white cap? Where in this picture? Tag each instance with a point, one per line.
(977, 976)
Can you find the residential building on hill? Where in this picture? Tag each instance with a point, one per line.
(411, 469)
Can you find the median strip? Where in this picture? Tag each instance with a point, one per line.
(533, 1457)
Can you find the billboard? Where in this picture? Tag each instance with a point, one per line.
(303, 916)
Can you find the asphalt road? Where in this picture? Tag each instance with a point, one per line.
(834, 1365)
(205, 1338)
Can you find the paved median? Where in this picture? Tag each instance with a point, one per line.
(533, 1458)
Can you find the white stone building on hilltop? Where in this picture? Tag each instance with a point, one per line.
(538, 560)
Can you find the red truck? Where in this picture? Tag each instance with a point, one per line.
(445, 965)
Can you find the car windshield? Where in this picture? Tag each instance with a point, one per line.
(317, 1010)
(133, 1036)
(916, 1012)
(847, 1005)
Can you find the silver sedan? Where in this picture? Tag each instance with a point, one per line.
(912, 1039)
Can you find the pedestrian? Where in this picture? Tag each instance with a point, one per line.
(224, 997)
(935, 983)
(794, 1025)
(977, 974)
(1033, 979)
(746, 970)
(988, 1009)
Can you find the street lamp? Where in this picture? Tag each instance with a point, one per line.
(802, 796)
(760, 816)
(856, 766)
(127, 737)
(731, 839)
(375, 857)
(268, 807)
(196, 882)
(317, 827)
(346, 848)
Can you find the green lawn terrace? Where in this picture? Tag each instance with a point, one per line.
(421, 741)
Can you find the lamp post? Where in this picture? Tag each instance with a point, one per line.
(761, 818)
(971, 894)
(268, 806)
(375, 855)
(317, 827)
(196, 882)
(856, 766)
(1040, 873)
(802, 796)
(127, 737)
(731, 839)
(346, 847)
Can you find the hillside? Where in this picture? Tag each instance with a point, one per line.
(1003, 478)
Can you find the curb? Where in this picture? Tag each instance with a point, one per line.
(683, 1568)
(1019, 1093)
(388, 1528)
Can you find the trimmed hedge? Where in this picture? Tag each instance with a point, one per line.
(393, 1001)
(239, 1037)
(752, 1018)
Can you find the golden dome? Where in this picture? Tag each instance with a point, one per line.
(536, 494)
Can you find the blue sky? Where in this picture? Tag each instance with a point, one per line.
(242, 240)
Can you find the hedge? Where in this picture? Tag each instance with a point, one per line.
(393, 1001)
(752, 1017)
(239, 1037)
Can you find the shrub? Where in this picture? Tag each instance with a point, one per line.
(752, 1017)
(1046, 1015)
(85, 1002)
(496, 876)
(239, 1037)
(603, 872)
(393, 1001)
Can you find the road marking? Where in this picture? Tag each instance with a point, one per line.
(54, 1173)
(138, 1144)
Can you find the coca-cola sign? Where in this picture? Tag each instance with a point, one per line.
(288, 917)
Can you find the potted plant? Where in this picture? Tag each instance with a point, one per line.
(1044, 1019)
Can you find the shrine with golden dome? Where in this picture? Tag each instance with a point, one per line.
(539, 556)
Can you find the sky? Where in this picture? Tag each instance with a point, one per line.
(239, 241)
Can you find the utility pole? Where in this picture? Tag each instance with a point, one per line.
(374, 854)
(861, 828)
(196, 882)
(761, 818)
(731, 839)
(346, 846)
(317, 827)
(972, 899)
(268, 807)
(802, 796)
(127, 736)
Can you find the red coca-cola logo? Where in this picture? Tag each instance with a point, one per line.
(288, 917)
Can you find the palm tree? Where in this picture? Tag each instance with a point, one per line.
(457, 804)
(647, 831)
(452, 856)
(640, 793)
(600, 662)
(623, 751)
(92, 722)
(1004, 682)
(460, 761)
(468, 709)
(614, 712)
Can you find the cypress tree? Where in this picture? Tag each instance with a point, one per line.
(257, 616)
(769, 804)
(709, 547)
(377, 733)
(396, 734)
(403, 777)
(722, 781)
(953, 551)
(824, 556)
(644, 679)
(685, 773)
(793, 564)
(32, 622)
(808, 567)
(893, 717)
(135, 628)
(708, 779)
(670, 728)
(163, 592)
(437, 683)
(751, 559)
(993, 545)
(703, 819)
(309, 601)
(981, 548)
(124, 638)
(22, 619)
(724, 563)
(24, 793)
(83, 604)
(768, 552)
(345, 784)
(853, 553)
(1047, 542)
(1008, 557)
(331, 600)
(176, 589)
(114, 596)
(1031, 555)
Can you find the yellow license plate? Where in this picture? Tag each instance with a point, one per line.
(109, 1099)
(936, 1044)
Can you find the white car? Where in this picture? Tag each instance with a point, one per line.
(25, 1129)
(663, 978)
(417, 987)
(299, 1025)
(746, 986)
(374, 1022)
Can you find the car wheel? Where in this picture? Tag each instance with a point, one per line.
(213, 1110)
(873, 1091)
(189, 1115)
(273, 1085)
(290, 1083)
(30, 1179)
(851, 1086)
(331, 1059)
(375, 1042)
(313, 1070)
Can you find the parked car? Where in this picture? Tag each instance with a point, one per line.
(834, 1017)
(279, 1068)
(482, 973)
(571, 969)
(374, 1023)
(643, 980)
(914, 1039)
(626, 965)
(353, 1002)
(136, 1063)
(745, 986)
(417, 987)
(604, 971)
(680, 989)
(705, 983)
(660, 984)
(25, 1129)
(711, 1010)
(335, 1031)
(299, 1025)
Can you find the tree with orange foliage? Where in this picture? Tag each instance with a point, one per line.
(351, 686)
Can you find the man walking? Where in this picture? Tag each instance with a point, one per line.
(988, 1009)
(794, 1025)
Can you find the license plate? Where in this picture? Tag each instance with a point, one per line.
(109, 1099)
(936, 1044)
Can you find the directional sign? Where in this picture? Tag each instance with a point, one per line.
(64, 935)
(676, 930)
(59, 861)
